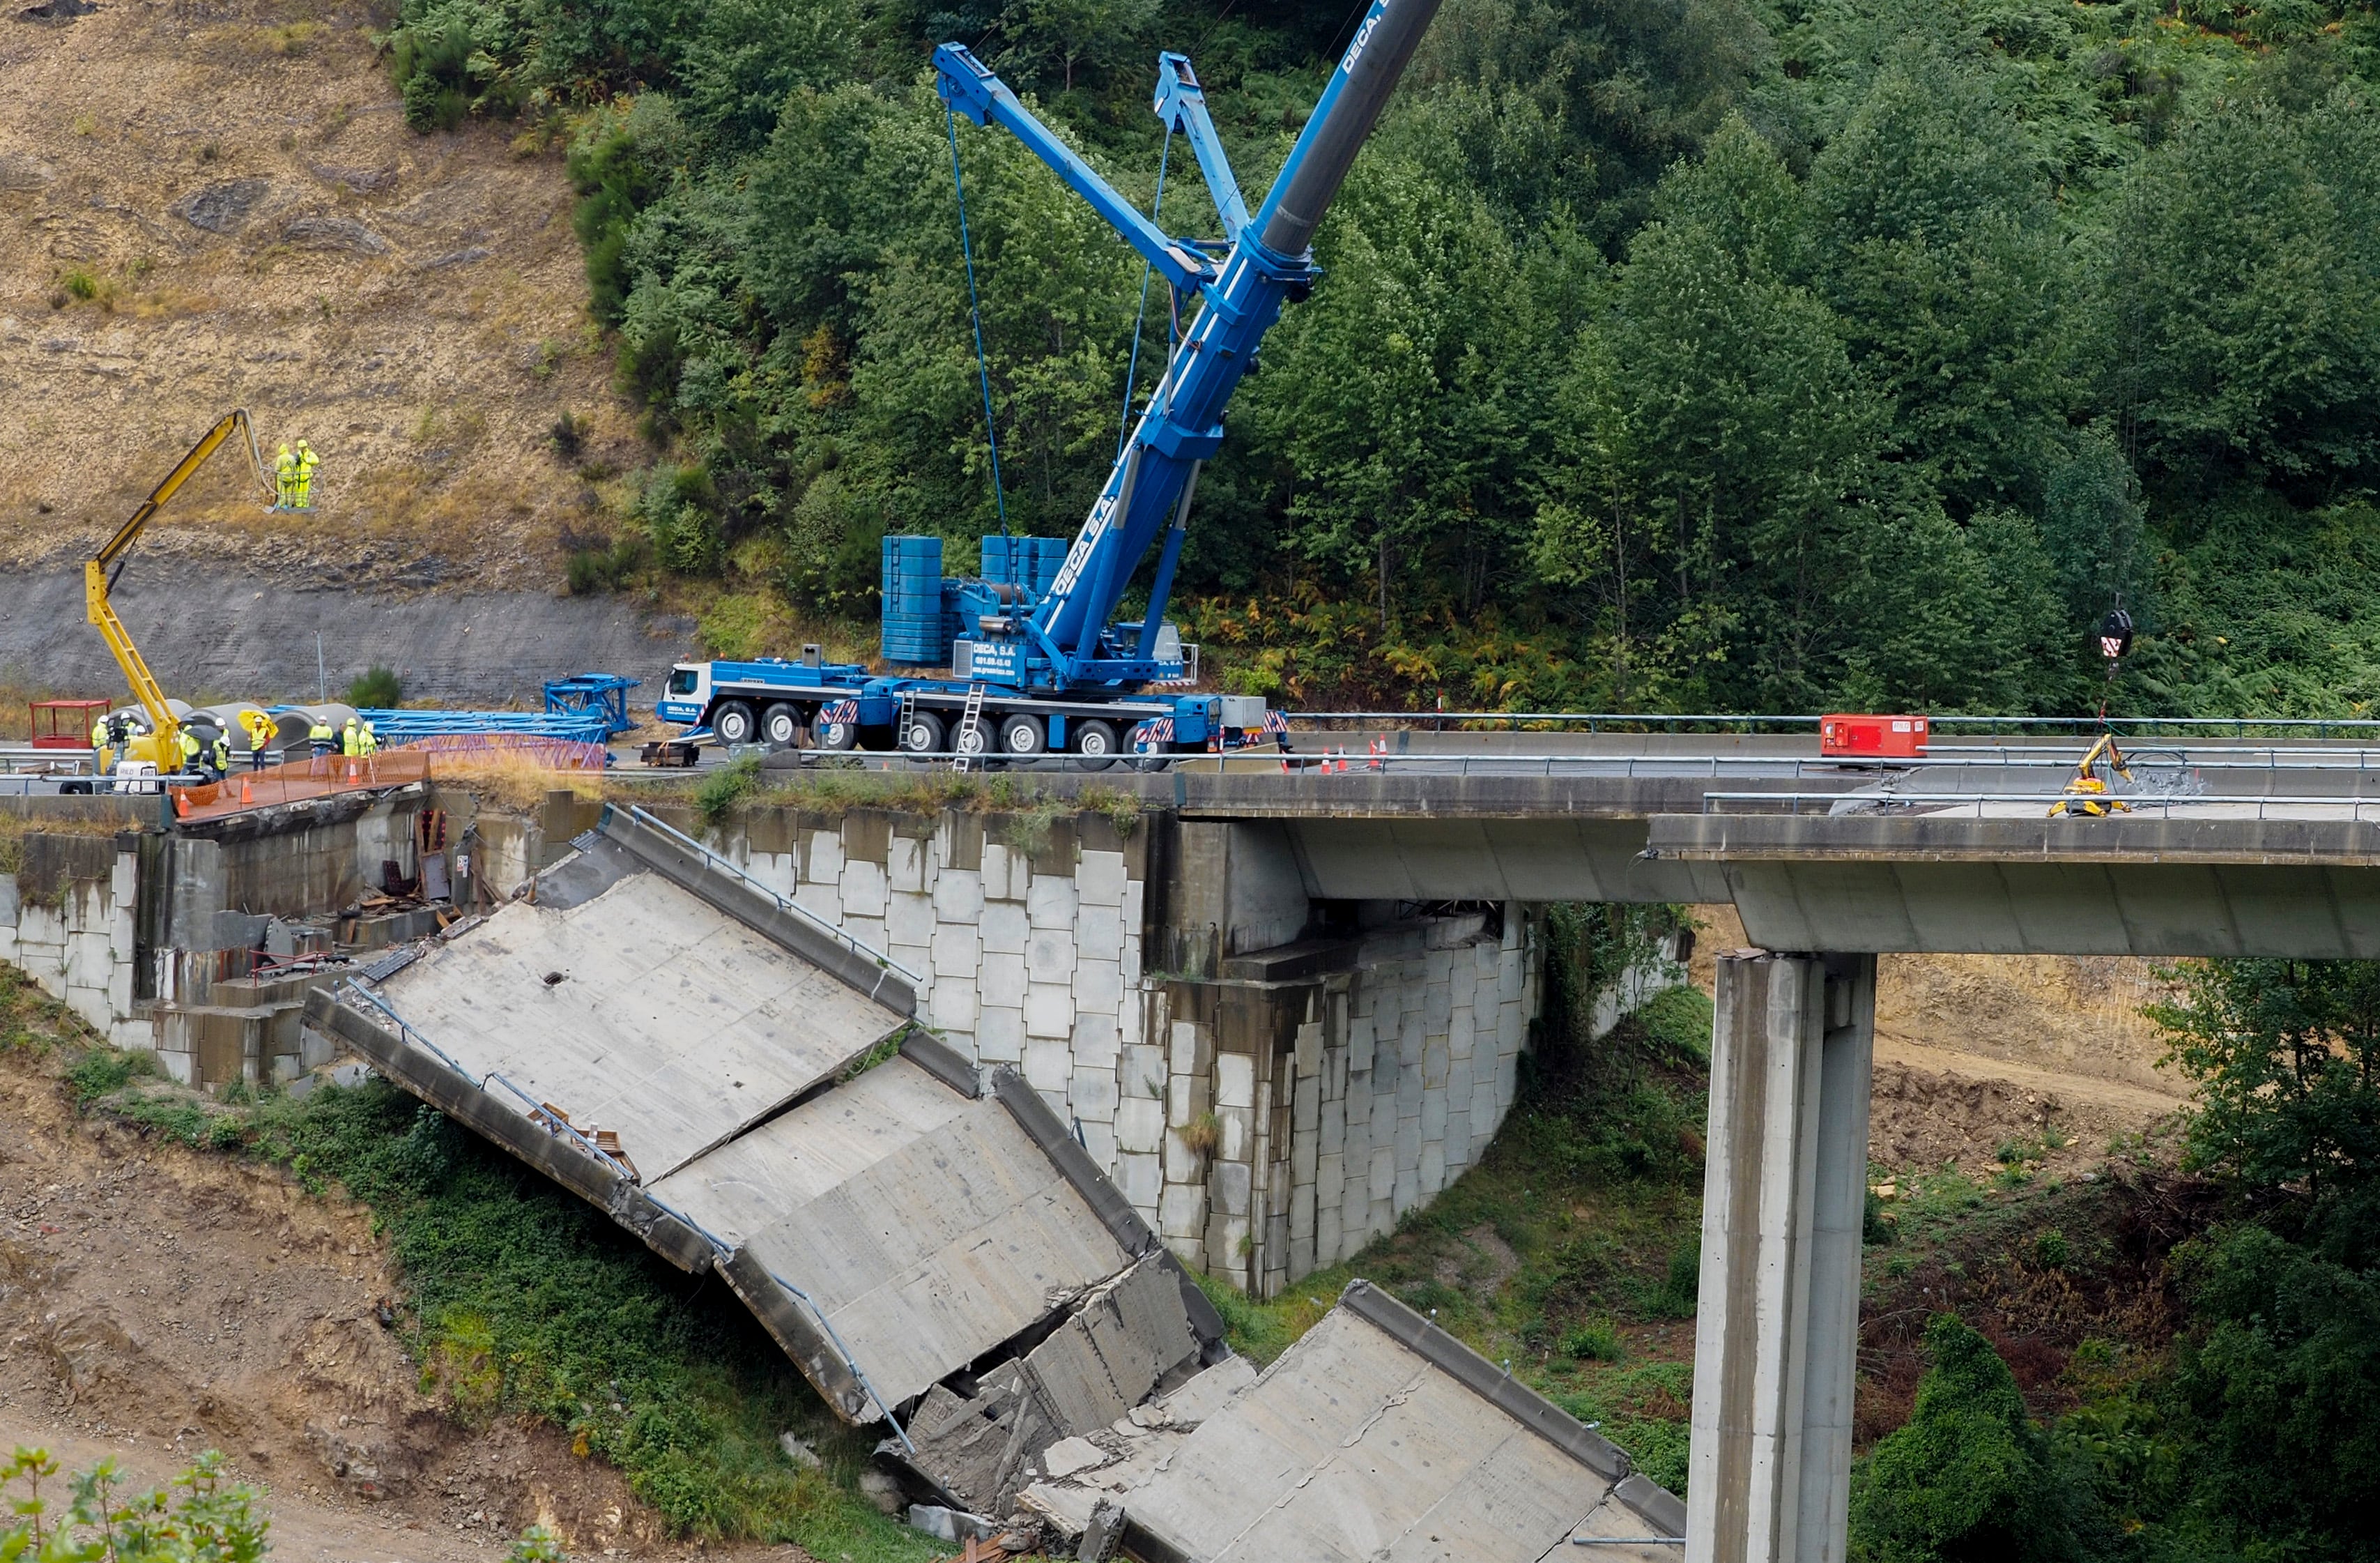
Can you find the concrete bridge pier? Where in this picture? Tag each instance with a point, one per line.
(1784, 1190)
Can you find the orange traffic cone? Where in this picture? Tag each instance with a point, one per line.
(246, 793)
(182, 802)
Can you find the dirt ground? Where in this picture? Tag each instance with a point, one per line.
(217, 204)
(1975, 1052)
(157, 1301)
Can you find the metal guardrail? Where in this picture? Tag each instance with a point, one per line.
(1628, 721)
(784, 903)
(349, 986)
(1314, 762)
(1672, 766)
(1939, 804)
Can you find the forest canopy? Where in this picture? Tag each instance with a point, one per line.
(1671, 355)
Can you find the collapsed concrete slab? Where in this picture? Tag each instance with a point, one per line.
(1378, 1436)
(936, 1248)
(692, 1053)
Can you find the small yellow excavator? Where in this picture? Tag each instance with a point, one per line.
(161, 744)
(2090, 793)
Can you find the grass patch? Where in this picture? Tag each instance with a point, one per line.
(511, 782)
(716, 797)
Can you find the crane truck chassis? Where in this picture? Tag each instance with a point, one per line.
(1037, 669)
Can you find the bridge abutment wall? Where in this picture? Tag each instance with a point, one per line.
(1272, 1081)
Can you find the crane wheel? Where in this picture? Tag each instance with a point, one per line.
(1095, 740)
(1021, 733)
(782, 725)
(733, 723)
(921, 734)
(838, 736)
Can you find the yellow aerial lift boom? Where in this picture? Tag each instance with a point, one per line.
(99, 571)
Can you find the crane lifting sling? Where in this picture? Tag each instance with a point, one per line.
(163, 744)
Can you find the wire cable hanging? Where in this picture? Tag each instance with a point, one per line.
(975, 312)
(1147, 269)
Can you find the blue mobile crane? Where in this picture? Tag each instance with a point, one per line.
(1041, 664)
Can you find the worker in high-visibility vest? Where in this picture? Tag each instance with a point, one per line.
(189, 745)
(367, 741)
(351, 742)
(284, 479)
(100, 757)
(219, 756)
(307, 462)
(260, 738)
(319, 738)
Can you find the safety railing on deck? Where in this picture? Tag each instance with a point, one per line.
(1330, 762)
(785, 904)
(1642, 722)
(1937, 805)
(299, 779)
(348, 988)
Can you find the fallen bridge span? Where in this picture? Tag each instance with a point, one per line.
(742, 1086)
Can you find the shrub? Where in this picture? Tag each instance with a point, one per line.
(377, 688)
(434, 71)
(203, 1521)
(609, 566)
(1592, 1343)
(1969, 1476)
(1679, 1294)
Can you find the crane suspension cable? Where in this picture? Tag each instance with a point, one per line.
(975, 311)
(1147, 269)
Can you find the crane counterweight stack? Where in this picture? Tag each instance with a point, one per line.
(1044, 663)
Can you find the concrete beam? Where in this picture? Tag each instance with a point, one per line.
(1784, 1191)
(2124, 887)
(1551, 858)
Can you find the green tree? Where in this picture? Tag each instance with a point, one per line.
(2283, 1053)
(1937, 244)
(2243, 275)
(1968, 1477)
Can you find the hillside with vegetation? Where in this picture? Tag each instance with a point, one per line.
(1708, 354)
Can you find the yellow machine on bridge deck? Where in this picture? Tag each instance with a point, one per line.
(161, 744)
(2089, 793)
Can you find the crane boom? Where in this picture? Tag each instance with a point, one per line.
(1067, 643)
(100, 572)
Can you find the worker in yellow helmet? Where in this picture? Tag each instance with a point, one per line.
(307, 462)
(284, 479)
(351, 742)
(260, 738)
(367, 741)
(219, 756)
(99, 755)
(190, 744)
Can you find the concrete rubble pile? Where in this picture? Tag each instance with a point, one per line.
(742, 1087)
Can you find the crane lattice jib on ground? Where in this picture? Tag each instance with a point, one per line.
(1263, 262)
(100, 572)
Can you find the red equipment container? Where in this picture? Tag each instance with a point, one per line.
(1886, 738)
(65, 724)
